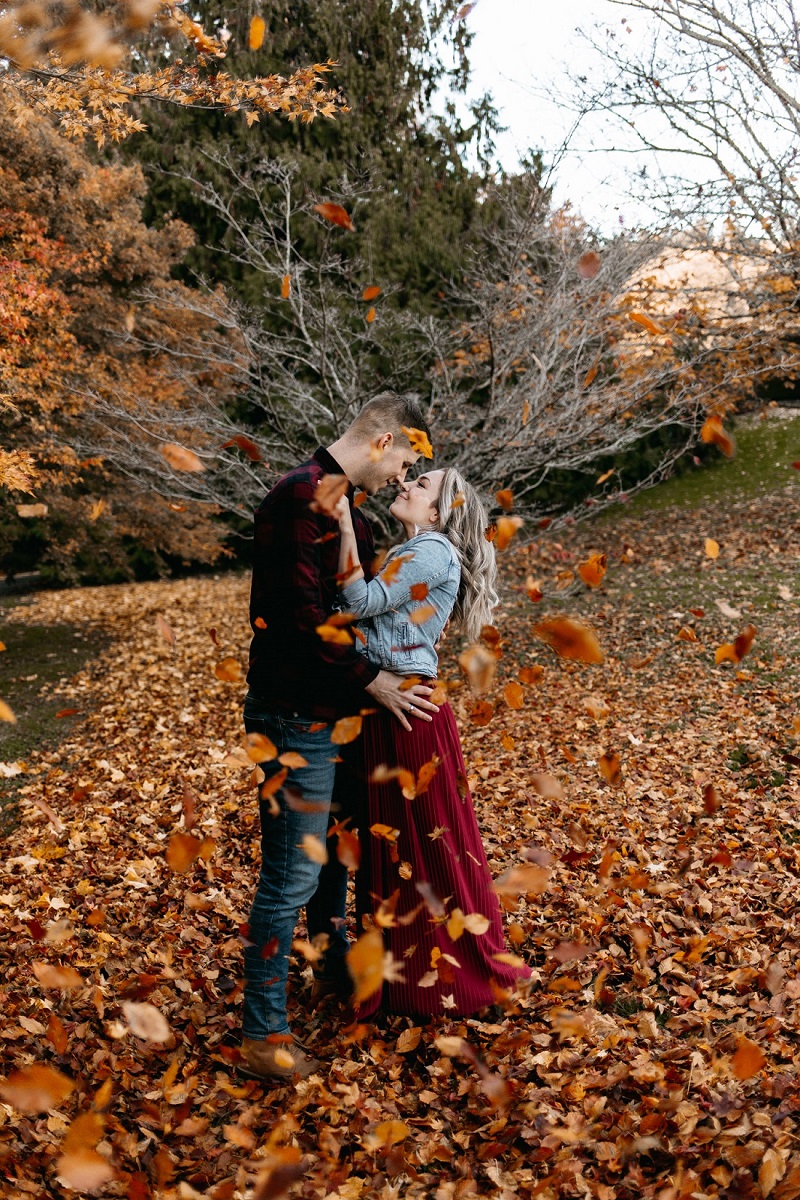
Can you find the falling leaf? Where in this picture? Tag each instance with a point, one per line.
(531, 674)
(748, 1059)
(711, 548)
(646, 322)
(182, 851)
(370, 317)
(165, 630)
(229, 670)
(365, 964)
(505, 498)
(714, 432)
(570, 638)
(36, 1088)
(609, 767)
(590, 376)
(97, 509)
(247, 447)
(146, 1021)
(527, 879)
(371, 293)
(32, 510)
(6, 714)
(420, 442)
(346, 730)
(476, 924)
(514, 695)
(589, 264)
(51, 976)
(255, 37)
(479, 665)
(418, 591)
(605, 476)
(286, 287)
(596, 707)
(711, 801)
(506, 529)
(687, 634)
(727, 610)
(181, 459)
(314, 849)
(336, 215)
(465, 10)
(348, 849)
(259, 748)
(292, 760)
(593, 570)
(741, 646)
(451, 1046)
(546, 785)
(425, 612)
(329, 492)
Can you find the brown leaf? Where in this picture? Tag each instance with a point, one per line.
(589, 264)
(365, 964)
(248, 447)
(714, 432)
(229, 670)
(146, 1021)
(63, 978)
(165, 630)
(514, 695)
(609, 767)
(570, 638)
(336, 215)
(346, 730)
(546, 785)
(748, 1059)
(646, 322)
(329, 492)
(505, 498)
(479, 665)
(408, 1040)
(593, 570)
(182, 851)
(181, 459)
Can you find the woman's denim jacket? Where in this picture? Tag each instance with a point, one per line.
(384, 609)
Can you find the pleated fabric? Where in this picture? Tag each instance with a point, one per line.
(439, 845)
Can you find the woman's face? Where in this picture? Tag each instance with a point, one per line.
(417, 502)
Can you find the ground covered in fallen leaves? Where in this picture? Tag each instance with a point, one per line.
(651, 806)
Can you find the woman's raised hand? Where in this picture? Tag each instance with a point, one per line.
(343, 514)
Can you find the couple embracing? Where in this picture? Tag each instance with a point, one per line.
(306, 566)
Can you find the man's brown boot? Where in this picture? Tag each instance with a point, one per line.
(279, 1057)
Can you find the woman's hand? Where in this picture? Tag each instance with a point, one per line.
(343, 514)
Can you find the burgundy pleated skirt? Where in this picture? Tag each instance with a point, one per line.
(438, 847)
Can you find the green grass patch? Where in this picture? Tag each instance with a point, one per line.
(35, 656)
(765, 451)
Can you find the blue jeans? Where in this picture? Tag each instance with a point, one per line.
(289, 879)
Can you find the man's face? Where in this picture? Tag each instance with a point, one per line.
(387, 463)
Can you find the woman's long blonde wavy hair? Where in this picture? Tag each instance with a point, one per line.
(463, 521)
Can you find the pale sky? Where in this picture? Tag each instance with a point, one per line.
(522, 54)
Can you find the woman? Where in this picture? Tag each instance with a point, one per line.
(428, 885)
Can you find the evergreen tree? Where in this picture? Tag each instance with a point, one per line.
(421, 174)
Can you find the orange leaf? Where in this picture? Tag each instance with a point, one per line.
(245, 445)
(505, 498)
(527, 879)
(570, 638)
(165, 629)
(687, 634)
(255, 37)
(286, 287)
(383, 774)
(418, 591)
(36, 1088)
(422, 614)
(608, 765)
(420, 442)
(371, 315)
(229, 670)
(711, 548)
(748, 1059)
(482, 713)
(479, 665)
(591, 375)
(314, 849)
(531, 674)
(725, 653)
(606, 475)
(371, 293)
(181, 459)
(646, 322)
(259, 748)
(292, 760)
(182, 851)
(84, 1169)
(513, 695)
(336, 215)
(6, 714)
(56, 1033)
(275, 782)
(589, 264)
(744, 641)
(394, 566)
(713, 432)
(365, 964)
(50, 976)
(330, 490)
(711, 801)
(426, 774)
(506, 528)
(348, 849)
(346, 730)
(593, 570)
(65, 712)
(335, 634)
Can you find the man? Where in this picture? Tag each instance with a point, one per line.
(300, 685)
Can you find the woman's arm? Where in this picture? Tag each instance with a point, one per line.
(428, 563)
(349, 565)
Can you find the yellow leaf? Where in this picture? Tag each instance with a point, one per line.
(456, 924)
(711, 548)
(365, 964)
(257, 30)
(420, 442)
(6, 714)
(346, 730)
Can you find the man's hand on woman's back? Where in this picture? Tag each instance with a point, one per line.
(393, 692)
